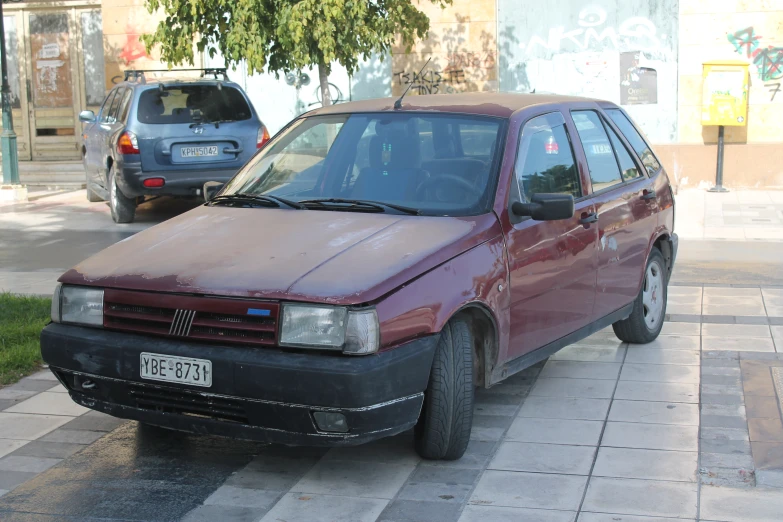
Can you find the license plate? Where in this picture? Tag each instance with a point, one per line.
(197, 152)
(169, 368)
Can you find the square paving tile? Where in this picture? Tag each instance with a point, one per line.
(660, 373)
(435, 492)
(720, 292)
(27, 426)
(581, 370)
(657, 391)
(641, 497)
(49, 403)
(580, 388)
(27, 464)
(639, 354)
(508, 514)
(655, 412)
(651, 436)
(54, 450)
(735, 330)
(73, 436)
(223, 514)
(586, 352)
(8, 446)
(741, 505)
(565, 408)
(762, 407)
(555, 431)
(401, 510)
(765, 430)
(543, 458)
(672, 342)
(738, 344)
(615, 517)
(631, 463)
(355, 478)
(686, 329)
(737, 306)
(302, 507)
(392, 450)
(243, 497)
(530, 490)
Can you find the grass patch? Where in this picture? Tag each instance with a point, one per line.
(21, 321)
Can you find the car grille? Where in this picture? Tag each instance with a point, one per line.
(185, 402)
(213, 319)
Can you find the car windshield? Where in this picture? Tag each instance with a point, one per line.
(433, 164)
(192, 104)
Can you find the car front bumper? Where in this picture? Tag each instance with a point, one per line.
(259, 394)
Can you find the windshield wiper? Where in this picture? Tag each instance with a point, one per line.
(259, 198)
(359, 204)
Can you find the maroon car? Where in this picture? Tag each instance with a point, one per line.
(370, 267)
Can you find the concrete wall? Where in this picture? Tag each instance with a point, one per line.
(586, 49)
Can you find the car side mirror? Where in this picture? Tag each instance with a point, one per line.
(211, 188)
(546, 207)
(86, 116)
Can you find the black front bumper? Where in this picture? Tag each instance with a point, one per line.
(257, 393)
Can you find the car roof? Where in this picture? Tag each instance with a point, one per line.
(169, 81)
(497, 104)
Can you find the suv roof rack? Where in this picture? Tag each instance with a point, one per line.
(138, 74)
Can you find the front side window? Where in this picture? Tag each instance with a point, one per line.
(545, 162)
(416, 161)
(644, 152)
(192, 104)
(104, 117)
(604, 171)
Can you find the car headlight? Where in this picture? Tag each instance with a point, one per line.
(330, 328)
(77, 305)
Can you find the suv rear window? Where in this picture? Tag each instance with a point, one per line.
(192, 103)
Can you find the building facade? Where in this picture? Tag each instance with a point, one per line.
(645, 55)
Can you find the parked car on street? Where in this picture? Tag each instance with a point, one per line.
(166, 137)
(372, 266)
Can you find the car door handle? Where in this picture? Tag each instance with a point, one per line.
(648, 194)
(588, 218)
(232, 151)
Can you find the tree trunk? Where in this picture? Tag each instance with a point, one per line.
(323, 78)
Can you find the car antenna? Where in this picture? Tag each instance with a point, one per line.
(398, 103)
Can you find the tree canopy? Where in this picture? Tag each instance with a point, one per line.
(286, 35)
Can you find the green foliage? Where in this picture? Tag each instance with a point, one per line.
(21, 322)
(285, 35)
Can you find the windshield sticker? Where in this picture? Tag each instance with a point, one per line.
(602, 148)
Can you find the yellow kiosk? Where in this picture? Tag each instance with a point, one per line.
(724, 102)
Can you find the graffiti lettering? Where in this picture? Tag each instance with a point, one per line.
(744, 40)
(432, 82)
(774, 88)
(469, 59)
(639, 32)
(768, 60)
(133, 49)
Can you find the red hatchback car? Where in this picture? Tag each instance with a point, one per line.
(370, 267)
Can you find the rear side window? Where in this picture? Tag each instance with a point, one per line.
(125, 105)
(604, 172)
(644, 152)
(627, 165)
(545, 161)
(192, 104)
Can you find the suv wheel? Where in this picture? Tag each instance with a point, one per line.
(123, 208)
(443, 430)
(649, 310)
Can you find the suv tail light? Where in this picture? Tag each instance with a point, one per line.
(128, 144)
(263, 137)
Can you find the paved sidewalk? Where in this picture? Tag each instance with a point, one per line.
(40, 426)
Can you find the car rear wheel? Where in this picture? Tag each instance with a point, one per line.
(123, 209)
(443, 430)
(649, 309)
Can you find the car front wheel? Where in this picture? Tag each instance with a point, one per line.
(649, 309)
(443, 430)
(123, 209)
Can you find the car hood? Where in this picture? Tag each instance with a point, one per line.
(307, 255)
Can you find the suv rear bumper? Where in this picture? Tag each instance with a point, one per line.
(178, 182)
(260, 394)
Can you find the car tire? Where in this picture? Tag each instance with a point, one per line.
(92, 197)
(123, 209)
(443, 429)
(649, 309)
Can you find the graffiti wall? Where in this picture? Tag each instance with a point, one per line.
(624, 51)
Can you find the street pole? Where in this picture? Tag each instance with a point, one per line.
(8, 137)
(719, 175)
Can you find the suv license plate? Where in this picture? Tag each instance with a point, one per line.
(168, 368)
(197, 152)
